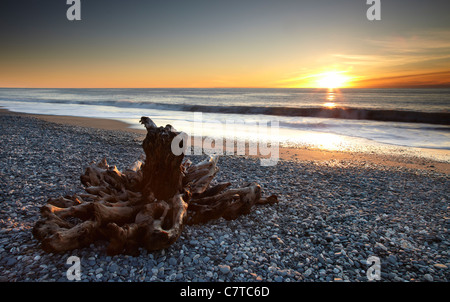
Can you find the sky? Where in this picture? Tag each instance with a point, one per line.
(245, 43)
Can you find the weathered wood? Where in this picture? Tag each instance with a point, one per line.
(146, 205)
(162, 173)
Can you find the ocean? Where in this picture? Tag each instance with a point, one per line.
(340, 119)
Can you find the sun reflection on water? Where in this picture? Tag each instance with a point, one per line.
(330, 99)
(329, 105)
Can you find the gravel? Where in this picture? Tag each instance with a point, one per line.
(332, 216)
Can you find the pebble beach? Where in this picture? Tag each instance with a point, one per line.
(331, 217)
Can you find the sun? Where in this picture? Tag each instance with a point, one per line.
(332, 80)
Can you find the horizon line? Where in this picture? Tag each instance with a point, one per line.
(250, 87)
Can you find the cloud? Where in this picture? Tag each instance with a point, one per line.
(423, 41)
(398, 50)
(420, 80)
(421, 59)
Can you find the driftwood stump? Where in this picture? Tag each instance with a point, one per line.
(144, 206)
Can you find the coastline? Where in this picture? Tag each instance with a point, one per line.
(331, 217)
(285, 153)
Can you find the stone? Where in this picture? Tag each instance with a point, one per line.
(428, 277)
(308, 272)
(113, 268)
(172, 261)
(380, 246)
(392, 259)
(225, 269)
(11, 261)
(392, 275)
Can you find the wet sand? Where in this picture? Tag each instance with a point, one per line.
(285, 153)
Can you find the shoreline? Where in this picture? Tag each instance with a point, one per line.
(331, 217)
(285, 153)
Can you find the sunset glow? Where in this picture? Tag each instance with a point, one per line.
(188, 44)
